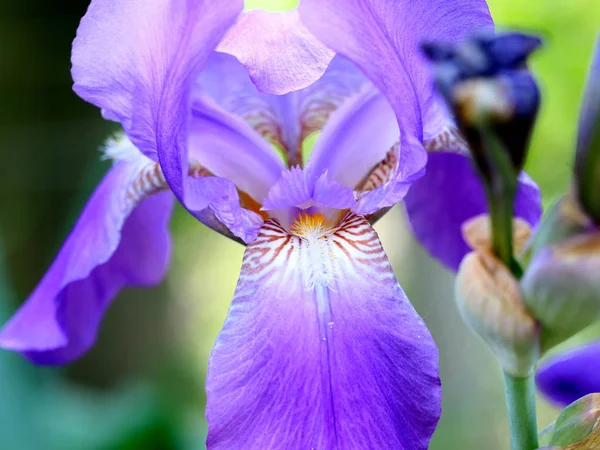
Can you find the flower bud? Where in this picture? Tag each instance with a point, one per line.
(486, 83)
(561, 287)
(477, 233)
(578, 426)
(489, 300)
(564, 219)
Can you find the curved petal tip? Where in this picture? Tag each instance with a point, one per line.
(278, 51)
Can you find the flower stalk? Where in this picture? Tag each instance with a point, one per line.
(501, 189)
(520, 403)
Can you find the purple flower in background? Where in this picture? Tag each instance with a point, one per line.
(569, 376)
(321, 348)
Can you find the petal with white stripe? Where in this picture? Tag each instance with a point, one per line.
(321, 348)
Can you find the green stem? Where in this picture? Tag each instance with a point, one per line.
(520, 402)
(501, 187)
(501, 201)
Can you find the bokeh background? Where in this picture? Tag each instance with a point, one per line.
(141, 387)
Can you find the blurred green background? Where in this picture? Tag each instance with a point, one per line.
(141, 387)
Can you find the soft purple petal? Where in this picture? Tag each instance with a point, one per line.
(114, 244)
(383, 38)
(280, 53)
(276, 118)
(571, 375)
(293, 188)
(357, 136)
(449, 194)
(284, 120)
(330, 193)
(438, 120)
(411, 167)
(133, 58)
(220, 196)
(303, 189)
(138, 61)
(323, 352)
(229, 148)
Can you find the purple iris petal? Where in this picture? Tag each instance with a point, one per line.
(220, 197)
(133, 58)
(451, 193)
(571, 375)
(284, 120)
(383, 38)
(138, 60)
(280, 52)
(411, 167)
(115, 243)
(303, 189)
(387, 49)
(229, 148)
(356, 137)
(321, 351)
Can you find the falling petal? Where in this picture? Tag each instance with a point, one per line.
(321, 348)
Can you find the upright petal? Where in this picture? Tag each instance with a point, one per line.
(133, 58)
(138, 61)
(383, 38)
(356, 137)
(229, 148)
(571, 375)
(281, 54)
(321, 349)
(283, 120)
(449, 194)
(360, 147)
(117, 241)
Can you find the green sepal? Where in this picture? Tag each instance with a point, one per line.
(563, 220)
(577, 426)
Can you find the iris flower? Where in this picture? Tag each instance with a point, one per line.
(320, 348)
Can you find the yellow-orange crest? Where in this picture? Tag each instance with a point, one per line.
(311, 226)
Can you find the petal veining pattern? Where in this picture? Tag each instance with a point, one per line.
(321, 349)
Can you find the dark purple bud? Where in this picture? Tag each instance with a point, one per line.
(486, 82)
